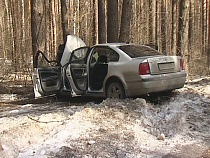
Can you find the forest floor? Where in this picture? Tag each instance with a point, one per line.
(175, 125)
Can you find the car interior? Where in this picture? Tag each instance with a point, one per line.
(98, 68)
(98, 73)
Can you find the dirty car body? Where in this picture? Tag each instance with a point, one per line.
(116, 70)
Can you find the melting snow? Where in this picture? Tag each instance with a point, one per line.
(115, 128)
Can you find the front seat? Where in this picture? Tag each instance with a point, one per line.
(98, 73)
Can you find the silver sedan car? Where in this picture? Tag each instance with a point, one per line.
(116, 70)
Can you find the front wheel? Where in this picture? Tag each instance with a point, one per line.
(115, 90)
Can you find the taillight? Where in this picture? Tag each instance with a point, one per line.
(181, 65)
(144, 69)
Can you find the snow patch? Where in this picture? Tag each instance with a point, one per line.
(129, 128)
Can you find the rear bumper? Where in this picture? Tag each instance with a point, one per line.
(156, 83)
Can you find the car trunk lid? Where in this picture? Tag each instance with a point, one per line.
(164, 64)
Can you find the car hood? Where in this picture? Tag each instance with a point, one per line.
(72, 43)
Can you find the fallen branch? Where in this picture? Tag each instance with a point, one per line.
(34, 119)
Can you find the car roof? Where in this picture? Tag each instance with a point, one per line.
(120, 44)
(113, 44)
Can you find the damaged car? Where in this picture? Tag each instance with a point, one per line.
(112, 70)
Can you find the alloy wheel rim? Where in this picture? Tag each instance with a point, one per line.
(115, 92)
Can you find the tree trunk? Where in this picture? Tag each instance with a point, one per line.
(185, 34)
(180, 26)
(125, 21)
(64, 18)
(174, 26)
(38, 25)
(84, 19)
(54, 30)
(151, 22)
(163, 26)
(190, 37)
(94, 25)
(15, 35)
(3, 27)
(101, 22)
(208, 45)
(202, 37)
(112, 21)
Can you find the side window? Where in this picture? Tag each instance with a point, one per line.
(113, 57)
(79, 56)
(94, 57)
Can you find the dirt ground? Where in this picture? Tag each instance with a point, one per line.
(175, 125)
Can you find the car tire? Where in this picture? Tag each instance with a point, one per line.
(115, 90)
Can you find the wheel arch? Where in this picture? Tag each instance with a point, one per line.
(114, 79)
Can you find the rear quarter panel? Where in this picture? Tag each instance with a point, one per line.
(126, 70)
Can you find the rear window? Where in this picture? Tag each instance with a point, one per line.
(135, 51)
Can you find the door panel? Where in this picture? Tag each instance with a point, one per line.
(79, 74)
(50, 78)
(46, 77)
(78, 70)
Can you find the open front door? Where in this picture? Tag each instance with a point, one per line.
(46, 77)
(77, 70)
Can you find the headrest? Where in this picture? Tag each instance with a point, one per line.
(102, 59)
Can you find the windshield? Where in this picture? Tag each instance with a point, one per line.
(135, 51)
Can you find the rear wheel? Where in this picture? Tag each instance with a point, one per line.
(115, 90)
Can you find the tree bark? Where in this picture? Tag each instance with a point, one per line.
(185, 34)
(15, 35)
(112, 21)
(94, 24)
(163, 26)
(64, 18)
(173, 27)
(208, 45)
(180, 26)
(125, 21)
(101, 22)
(38, 26)
(202, 26)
